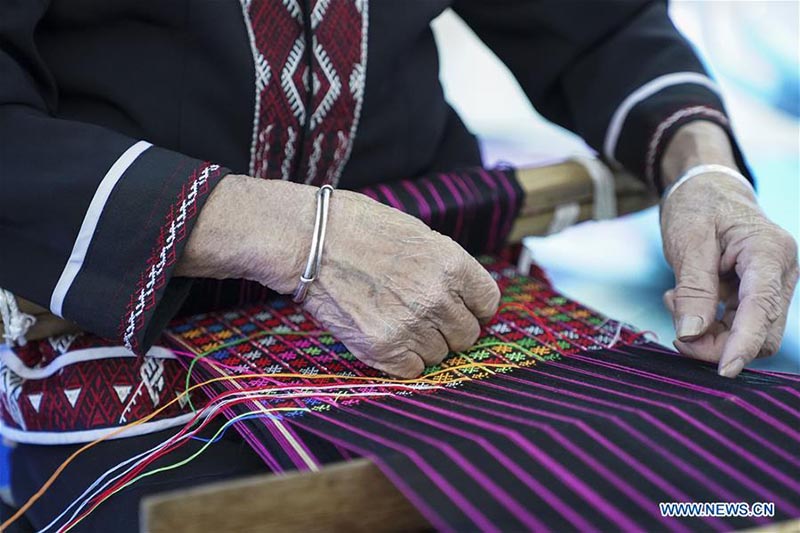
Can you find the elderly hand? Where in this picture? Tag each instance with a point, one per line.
(398, 294)
(723, 249)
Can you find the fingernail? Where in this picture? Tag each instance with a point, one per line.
(689, 326)
(732, 369)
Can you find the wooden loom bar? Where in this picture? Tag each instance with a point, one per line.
(350, 497)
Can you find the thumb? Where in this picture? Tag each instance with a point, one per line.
(696, 294)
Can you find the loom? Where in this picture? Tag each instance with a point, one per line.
(558, 419)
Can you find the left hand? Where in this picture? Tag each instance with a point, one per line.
(724, 249)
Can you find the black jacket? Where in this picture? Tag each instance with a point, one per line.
(93, 218)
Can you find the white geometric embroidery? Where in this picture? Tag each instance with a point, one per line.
(138, 392)
(11, 389)
(318, 12)
(36, 400)
(266, 341)
(287, 79)
(357, 78)
(288, 155)
(72, 395)
(293, 7)
(263, 72)
(500, 328)
(123, 391)
(334, 89)
(183, 399)
(252, 355)
(343, 145)
(313, 161)
(263, 150)
(156, 271)
(61, 343)
(152, 374)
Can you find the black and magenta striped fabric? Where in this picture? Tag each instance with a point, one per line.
(587, 428)
(590, 443)
(477, 207)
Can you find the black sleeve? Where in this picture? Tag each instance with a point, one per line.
(616, 72)
(91, 221)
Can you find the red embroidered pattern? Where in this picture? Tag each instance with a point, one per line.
(164, 255)
(278, 44)
(89, 395)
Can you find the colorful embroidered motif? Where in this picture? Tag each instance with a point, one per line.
(534, 324)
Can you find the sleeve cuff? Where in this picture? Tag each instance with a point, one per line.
(650, 125)
(123, 289)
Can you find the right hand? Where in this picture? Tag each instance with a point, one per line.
(398, 294)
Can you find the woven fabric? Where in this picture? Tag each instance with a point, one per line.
(476, 207)
(558, 419)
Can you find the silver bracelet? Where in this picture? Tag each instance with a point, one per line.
(317, 241)
(704, 169)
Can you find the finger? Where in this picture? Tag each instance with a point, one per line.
(480, 292)
(407, 365)
(459, 327)
(760, 306)
(432, 347)
(774, 337)
(775, 332)
(669, 301)
(706, 348)
(696, 292)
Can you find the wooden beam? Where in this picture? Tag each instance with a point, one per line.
(349, 497)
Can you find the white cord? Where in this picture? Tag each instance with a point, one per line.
(704, 169)
(15, 323)
(604, 203)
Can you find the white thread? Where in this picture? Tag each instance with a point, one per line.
(565, 216)
(15, 323)
(604, 201)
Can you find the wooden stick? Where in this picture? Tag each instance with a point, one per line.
(349, 497)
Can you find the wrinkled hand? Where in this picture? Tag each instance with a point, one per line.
(398, 294)
(723, 249)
